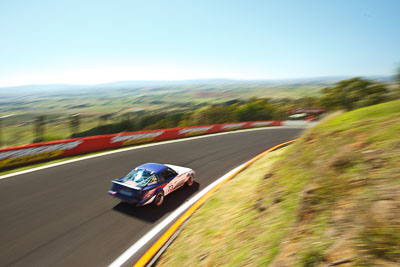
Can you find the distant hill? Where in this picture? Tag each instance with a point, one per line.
(56, 88)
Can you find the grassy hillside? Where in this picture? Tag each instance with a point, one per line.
(332, 198)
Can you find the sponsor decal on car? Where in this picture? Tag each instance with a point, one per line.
(195, 131)
(131, 139)
(234, 126)
(25, 155)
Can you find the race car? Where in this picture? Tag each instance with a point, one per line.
(150, 183)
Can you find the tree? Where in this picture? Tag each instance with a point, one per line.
(255, 109)
(353, 93)
(74, 123)
(308, 101)
(398, 77)
(397, 93)
(215, 114)
(104, 118)
(39, 128)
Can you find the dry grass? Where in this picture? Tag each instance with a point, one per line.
(334, 196)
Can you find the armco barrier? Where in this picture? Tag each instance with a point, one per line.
(23, 155)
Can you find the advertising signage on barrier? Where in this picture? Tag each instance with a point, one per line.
(36, 153)
(232, 126)
(23, 155)
(262, 123)
(191, 131)
(136, 138)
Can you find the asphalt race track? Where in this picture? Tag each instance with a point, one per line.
(62, 216)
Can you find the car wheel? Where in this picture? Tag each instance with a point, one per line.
(159, 199)
(190, 181)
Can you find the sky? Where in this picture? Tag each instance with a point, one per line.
(99, 41)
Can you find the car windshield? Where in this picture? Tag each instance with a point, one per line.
(140, 176)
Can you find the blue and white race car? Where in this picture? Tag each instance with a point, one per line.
(150, 183)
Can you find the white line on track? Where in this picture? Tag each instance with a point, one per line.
(136, 147)
(159, 227)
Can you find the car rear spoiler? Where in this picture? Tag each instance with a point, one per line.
(126, 185)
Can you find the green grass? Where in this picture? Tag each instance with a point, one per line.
(332, 195)
(236, 224)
